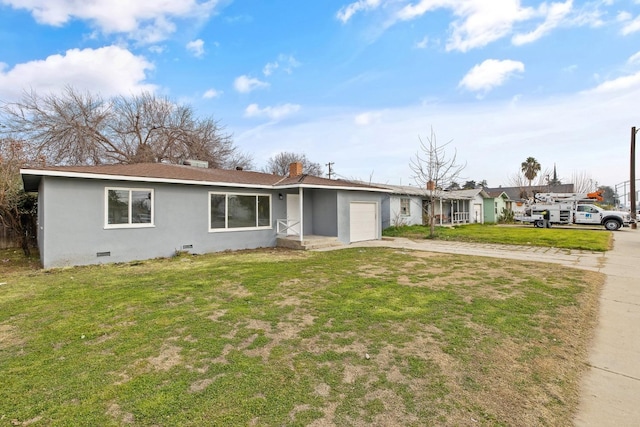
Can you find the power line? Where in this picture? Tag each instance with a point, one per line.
(329, 165)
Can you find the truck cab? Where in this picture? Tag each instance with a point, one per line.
(587, 214)
(591, 214)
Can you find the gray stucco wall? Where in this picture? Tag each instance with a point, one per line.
(324, 221)
(344, 201)
(74, 231)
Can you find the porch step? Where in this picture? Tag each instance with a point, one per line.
(308, 243)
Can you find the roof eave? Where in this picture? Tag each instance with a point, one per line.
(82, 175)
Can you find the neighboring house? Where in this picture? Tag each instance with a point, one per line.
(518, 195)
(409, 205)
(118, 213)
(495, 204)
(464, 206)
(404, 206)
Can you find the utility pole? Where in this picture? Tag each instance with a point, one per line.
(632, 182)
(329, 165)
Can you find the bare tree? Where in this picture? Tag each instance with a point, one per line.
(582, 182)
(83, 128)
(17, 208)
(433, 171)
(279, 164)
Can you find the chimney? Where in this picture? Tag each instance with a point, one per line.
(295, 169)
(431, 185)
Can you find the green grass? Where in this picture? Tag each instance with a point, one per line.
(276, 337)
(592, 240)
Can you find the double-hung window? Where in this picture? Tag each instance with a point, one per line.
(405, 206)
(128, 207)
(229, 211)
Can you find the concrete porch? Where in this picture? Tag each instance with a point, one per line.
(308, 242)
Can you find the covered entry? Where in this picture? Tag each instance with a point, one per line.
(363, 221)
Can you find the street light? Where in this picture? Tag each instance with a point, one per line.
(632, 183)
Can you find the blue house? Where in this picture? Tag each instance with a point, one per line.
(119, 213)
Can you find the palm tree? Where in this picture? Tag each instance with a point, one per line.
(530, 168)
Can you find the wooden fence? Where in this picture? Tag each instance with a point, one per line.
(10, 239)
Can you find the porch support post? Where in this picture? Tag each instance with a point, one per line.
(301, 194)
(451, 213)
(441, 213)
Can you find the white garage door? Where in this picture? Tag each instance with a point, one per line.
(363, 221)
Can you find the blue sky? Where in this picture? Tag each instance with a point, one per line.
(357, 83)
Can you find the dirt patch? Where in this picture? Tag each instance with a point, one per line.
(168, 358)
(10, 336)
(115, 412)
(201, 385)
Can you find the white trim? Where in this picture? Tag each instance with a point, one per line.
(226, 211)
(130, 224)
(35, 172)
(334, 187)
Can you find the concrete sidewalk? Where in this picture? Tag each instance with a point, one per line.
(610, 391)
(611, 388)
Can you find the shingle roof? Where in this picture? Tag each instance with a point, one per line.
(160, 172)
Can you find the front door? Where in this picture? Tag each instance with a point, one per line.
(293, 214)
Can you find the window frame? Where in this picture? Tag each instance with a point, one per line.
(129, 224)
(226, 195)
(406, 200)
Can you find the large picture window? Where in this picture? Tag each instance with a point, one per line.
(229, 211)
(128, 207)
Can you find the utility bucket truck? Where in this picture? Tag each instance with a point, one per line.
(572, 208)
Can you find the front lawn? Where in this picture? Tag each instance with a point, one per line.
(593, 240)
(361, 336)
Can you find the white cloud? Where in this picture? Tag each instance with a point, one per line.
(246, 84)
(109, 70)
(284, 62)
(157, 49)
(478, 23)
(631, 26)
(555, 14)
(270, 68)
(273, 113)
(491, 73)
(147, 21)
(634, 59)
(422, 44)
(367, 118)
(196, 47)
(345, 13)
(619, 84)
(212, 93)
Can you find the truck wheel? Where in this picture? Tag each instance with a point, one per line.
(611, 224)
(538, 223)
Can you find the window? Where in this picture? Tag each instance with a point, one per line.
(128, 207)
(405, 206)
(239, 211)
